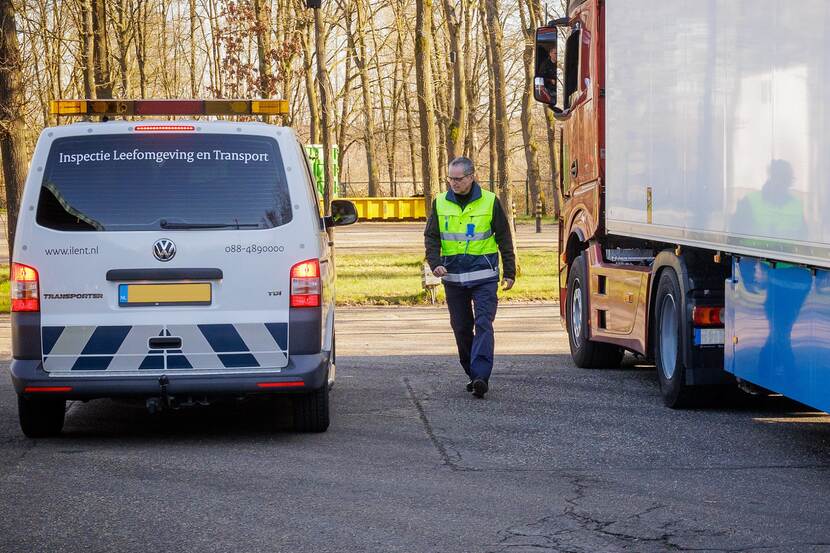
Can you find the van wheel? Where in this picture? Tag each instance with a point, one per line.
(585, 354)
(311, 411)
(668, 343)
(41, 418)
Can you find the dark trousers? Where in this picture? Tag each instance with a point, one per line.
(472, 311)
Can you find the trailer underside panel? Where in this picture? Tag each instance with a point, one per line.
(777, 324)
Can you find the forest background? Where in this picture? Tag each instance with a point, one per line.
(401, 86)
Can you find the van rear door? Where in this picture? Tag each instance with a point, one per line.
(165, 251)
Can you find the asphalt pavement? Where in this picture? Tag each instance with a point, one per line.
(555, 459)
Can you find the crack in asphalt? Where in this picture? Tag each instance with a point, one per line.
(546, 534)
(446, 459)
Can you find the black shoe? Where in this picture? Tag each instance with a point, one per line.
(479, 388)
(470, 386)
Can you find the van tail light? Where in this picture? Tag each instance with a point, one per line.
(305, 284)
(24, 288)
(707, 316)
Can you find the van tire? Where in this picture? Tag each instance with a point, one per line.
(40, 418)
(311, 411)
(585, 353)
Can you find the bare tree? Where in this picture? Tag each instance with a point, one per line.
(495, 37)
(327, 118)
(529, 12)
(426, 99)
(358, 44)
(456, 128)
(12, 125)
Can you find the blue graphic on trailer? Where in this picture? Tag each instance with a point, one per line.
(778, 329)
(123, 294)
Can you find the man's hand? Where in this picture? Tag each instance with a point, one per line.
(507, 283)
(440, 271)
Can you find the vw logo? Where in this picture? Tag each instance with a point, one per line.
(164, 249)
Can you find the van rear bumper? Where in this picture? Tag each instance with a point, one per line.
(311, 370)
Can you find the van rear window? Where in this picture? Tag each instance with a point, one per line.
(129, 182)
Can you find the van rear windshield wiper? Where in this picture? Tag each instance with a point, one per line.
(169, 225)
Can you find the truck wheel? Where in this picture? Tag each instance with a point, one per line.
(668, 344)
(586, 354)
(40, 418)
(311, 411)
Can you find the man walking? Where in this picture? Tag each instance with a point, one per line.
(463, 237)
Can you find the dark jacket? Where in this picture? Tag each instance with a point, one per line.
(500, 226)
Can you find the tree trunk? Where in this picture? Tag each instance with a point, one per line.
(310, 86)
(326, 102)
(426, 99)
(141, 46)
(345, 110)
(345, 95)
(122, 42)
(101, 61)
(495, 37)
(262, 12)
(12, 126)
(406, 70)
(471, 84)
(410, 134)
(553, 152)
(529, 21)
(194, 90)
(88, 49)
(387, 108)
(456, 127)
(359, 48)
(491, 102)
(441, 99)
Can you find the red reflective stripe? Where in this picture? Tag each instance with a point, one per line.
(289, 384)
(38, 389)
(305, 301)
(29, 304)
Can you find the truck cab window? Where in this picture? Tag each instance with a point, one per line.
(572, 48)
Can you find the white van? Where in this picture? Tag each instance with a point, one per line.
(173, 261)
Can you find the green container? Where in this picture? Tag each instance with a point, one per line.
(318, 170)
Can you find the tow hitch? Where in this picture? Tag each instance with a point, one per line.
(166, 402)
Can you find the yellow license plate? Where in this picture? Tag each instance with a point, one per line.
(164, 294)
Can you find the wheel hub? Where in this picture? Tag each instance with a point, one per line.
(576, 312)
(668, 337)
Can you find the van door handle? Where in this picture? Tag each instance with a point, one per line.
(574, 169)
(165, 342)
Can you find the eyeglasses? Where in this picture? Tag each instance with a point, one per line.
(458, 179)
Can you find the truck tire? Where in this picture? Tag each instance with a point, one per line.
(40, 418)
(585, 354)
(311, 411)
(668, 343)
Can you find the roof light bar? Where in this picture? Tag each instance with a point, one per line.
(167, 107)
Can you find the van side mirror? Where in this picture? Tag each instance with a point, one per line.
(343, 212)
(545, 76)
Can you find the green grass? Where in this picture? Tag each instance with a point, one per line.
(5, 301)
(531, 220)
(395, 279)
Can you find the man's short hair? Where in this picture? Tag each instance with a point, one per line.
(465, 163)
